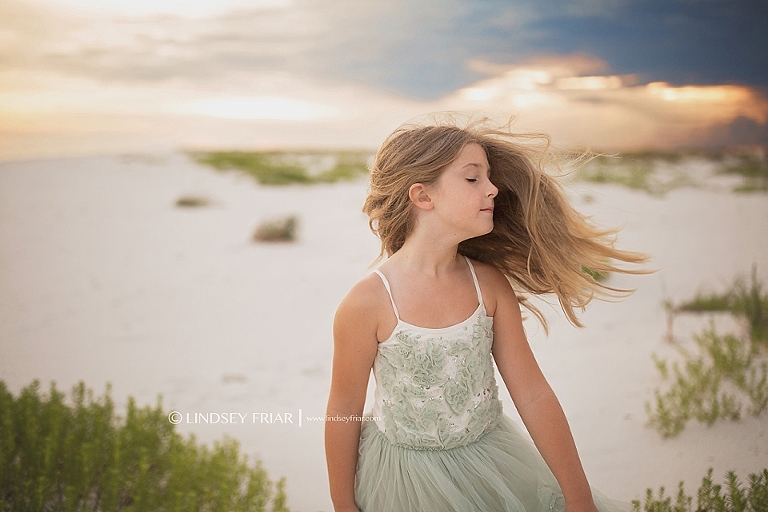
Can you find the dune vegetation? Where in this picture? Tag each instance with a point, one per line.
(81, 456)
(655, 172)
(731, 496)
(60, 456)
(726, 373)
(659, 172)
(289, 167)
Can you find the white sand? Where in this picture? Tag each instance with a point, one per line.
(102, 279)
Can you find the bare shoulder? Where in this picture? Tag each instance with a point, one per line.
(366, 296)
(494, 285)
(490, 275)
(364, 306)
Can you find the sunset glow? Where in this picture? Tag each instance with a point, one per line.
(264, 108)
(589, 82)
(151, 71)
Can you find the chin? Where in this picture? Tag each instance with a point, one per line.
(483, 232)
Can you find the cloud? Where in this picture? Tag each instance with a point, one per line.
(608, 111)
(678, 41)
(27, 31)
(161, 47)
(741, 131)
(187, 8)
(418, 49)
(335, 72)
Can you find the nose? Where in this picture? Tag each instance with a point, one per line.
(493, 190)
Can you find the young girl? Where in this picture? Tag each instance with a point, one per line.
(468, 219)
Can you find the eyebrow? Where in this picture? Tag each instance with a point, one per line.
(472, 164)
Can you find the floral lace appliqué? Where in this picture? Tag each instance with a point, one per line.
(437, 391)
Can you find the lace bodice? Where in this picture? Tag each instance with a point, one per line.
(436, 388)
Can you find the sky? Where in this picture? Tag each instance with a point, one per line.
(89, 76)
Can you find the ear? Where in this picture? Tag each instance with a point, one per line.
(419, 196)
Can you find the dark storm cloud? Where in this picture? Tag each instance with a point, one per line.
(422, 49)
(740, 131)
(678, 41)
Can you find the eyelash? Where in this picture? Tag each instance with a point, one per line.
(471, 180)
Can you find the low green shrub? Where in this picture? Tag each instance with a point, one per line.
(286, 167)
(745, 300)
(192, 202)
(726, 371)
(277, 230)
(707, 303)
(257, 165)
(753, 168)
(621, 171)
(710, 385)
(659, 172)
(636, 171)
(60, 457)
(711, 497)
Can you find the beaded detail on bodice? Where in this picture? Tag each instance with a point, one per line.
(436, 388)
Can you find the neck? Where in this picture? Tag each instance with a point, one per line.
(427, 255)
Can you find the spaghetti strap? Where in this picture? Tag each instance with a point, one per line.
(389, 291)
(474, 278)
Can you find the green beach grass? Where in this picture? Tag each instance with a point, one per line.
(753, 168)
(655, 172)
(727, 373)
(658, 172)
(60, 456)
(289, 167)
(731, 496)
(77, 454)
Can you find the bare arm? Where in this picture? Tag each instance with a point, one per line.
(535, 401)
(355, 344)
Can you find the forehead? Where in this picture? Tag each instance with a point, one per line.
(472, 155)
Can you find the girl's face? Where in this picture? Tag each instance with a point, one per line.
(463, 195)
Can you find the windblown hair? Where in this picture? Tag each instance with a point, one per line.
(538, 240)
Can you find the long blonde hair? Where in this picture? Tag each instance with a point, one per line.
(539, 241)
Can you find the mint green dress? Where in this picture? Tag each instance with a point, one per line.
(437, 439)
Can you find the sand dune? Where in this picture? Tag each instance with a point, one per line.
(103, 279)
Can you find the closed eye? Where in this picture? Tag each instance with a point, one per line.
(471, 180)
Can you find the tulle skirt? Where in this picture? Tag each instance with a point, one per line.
(501, 471)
